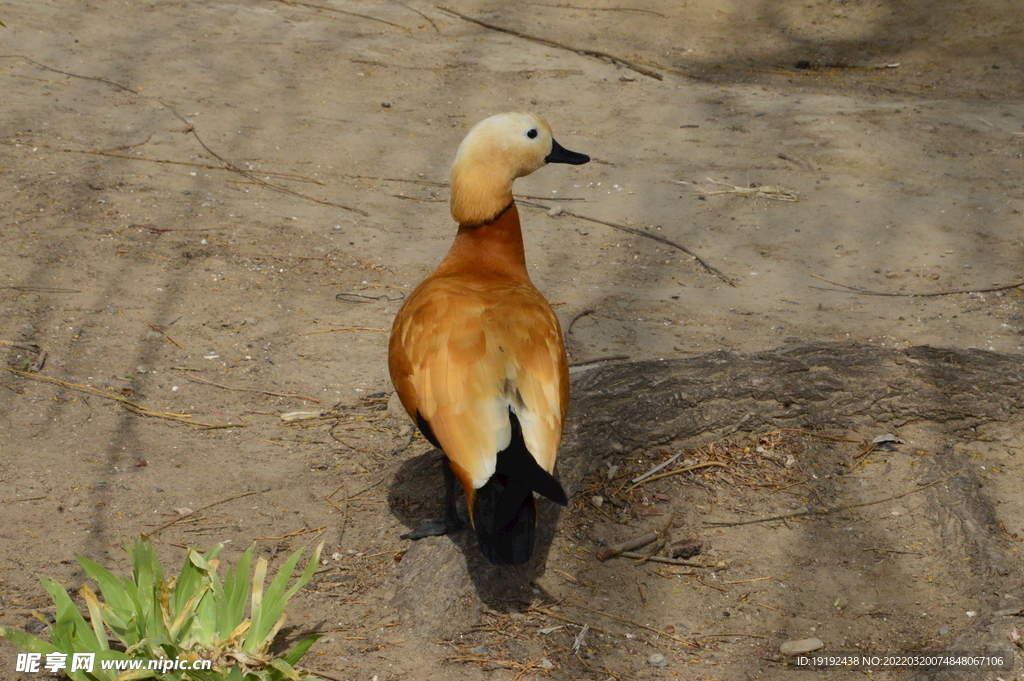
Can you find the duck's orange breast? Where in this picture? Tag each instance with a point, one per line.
(475, 340)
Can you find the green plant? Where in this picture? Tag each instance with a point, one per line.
(192, 617)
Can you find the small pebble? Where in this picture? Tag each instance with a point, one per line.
(153, 335)
(141, 369)
(479, 650)
(546, 663)
(555, 211)
(800, 647)
(597, 500)
(658, 660)
(943, 630)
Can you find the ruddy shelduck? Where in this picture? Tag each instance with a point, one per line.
(476, 352)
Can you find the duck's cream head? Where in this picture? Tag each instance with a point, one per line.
(496, 151)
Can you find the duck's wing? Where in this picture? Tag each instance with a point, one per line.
(463, 354)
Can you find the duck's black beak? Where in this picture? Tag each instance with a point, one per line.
(560, 154)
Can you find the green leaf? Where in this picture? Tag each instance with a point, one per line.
(236, 593)
(190, 581)
(95, 615)
(112, 588)
(259, 577)
(69, 632)
(283, 671)
(293, 656)
(307, 574)
(27, 641)
(276, 600)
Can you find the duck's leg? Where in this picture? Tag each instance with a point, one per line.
(451, 521)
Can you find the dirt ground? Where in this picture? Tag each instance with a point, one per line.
(215, 209)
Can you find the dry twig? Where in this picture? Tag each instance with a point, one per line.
(551, 43)
(640, 232)
(131, 406)
(164, 334)
(228, 165)
(677, 471)
(632, 622)
(343, 328)
(198, 510)
(834, 509)
(197, 379)
(764, 191)
(668, 561)
(637, 543)
(66, 73)
(900, 294)
(310, 5)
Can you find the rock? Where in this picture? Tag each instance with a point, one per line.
(688, 548)
(516, 650)
(546, 663)
(555, 211)
(658, 660)
(480, 650)
(597, 500)
(801, 647)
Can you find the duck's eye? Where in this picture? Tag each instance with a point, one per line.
(532, 133)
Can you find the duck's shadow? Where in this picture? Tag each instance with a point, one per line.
(417, 492)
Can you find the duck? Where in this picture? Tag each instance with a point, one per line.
(476, 353)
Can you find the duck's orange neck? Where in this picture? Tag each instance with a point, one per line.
(493, 247)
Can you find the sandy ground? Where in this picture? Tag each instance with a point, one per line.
(241, 194)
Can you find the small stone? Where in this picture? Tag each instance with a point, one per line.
(658, 660)
(141, 369)
(555, 211)
(597, 500)
(546, 663)
(688, 548)
(516, 650)
(153, 335)
(943, 630)
(801, 647)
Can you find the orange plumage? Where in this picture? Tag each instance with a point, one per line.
(476, 352)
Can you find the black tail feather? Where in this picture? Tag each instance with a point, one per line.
(504, 512)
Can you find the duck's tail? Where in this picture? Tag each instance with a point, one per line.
(504, 511)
